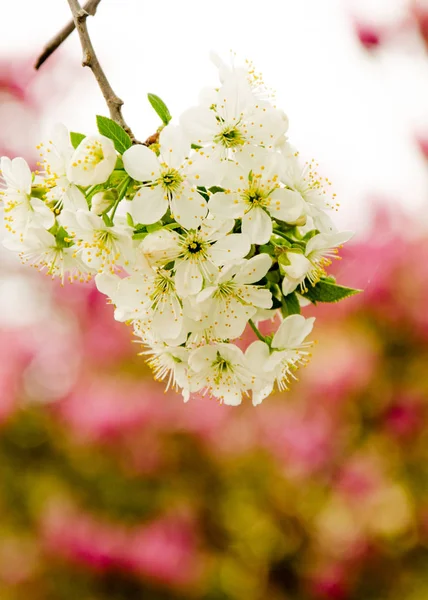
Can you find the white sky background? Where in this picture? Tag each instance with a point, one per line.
(355, 115)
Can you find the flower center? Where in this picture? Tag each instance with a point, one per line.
(225, 290)
(255, 196)
(104, 239)
(194, 247)
(163, 284)
(222, 368)
(230, 137)
(171, 181)
(94, 154)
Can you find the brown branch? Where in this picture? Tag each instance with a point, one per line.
(152, 139)
(90, 7)
(90, 60)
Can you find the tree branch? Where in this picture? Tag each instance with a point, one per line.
(91, 8)
(90, 60)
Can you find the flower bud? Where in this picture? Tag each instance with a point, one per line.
(301, 221)
(102, 201)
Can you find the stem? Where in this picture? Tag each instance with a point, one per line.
(121, 194)
(256, 331)
(283, 235)
(90, 60)
(90, 7)
(290, 240)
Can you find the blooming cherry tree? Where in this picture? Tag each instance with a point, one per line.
(193, 235)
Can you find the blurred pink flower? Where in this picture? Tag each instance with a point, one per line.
(422, 143)
(164, 549)
(14, 357)
(370, 36)
(342, 364)
(330, 582)
(359, 478)
(302, 440)
(104, 341)
(405, 418)
(101, 408)
(419, 10)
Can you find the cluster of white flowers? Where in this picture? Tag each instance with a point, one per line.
(213, 227)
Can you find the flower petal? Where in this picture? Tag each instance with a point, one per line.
(254, 270)
(188, 278)
(258, 297)
(286, 205)
(299, 266)
(201, 358)
(324, 241)
(141, 163)
(226, 205)
(257, 225)
(188, 208)
(168, 319)
(232, 319)
(43, 215)
(174, 147)
(292, 331)
(149, 205)
(230, 248)
(256, 356)
(199, 124)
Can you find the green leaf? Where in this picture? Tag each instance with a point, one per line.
(203, 192)
(328, 291)
(114, 132)
(277, 297)
(119, 164)
(308, 236)
(76, 138)
(140, 235)
(160, 108)
(154, 227)
(273, 276)
(116, 178)
(290, 305)
(215, 188)
(267, 249)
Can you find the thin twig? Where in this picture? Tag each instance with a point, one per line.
(90, 7)
(90, 60)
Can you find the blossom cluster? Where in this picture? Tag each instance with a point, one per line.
(212, 225)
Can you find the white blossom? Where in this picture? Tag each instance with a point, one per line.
(234, 118)
(170, 180)
(167, 362)
(56, 155)
(194, 238)
(20, 209)
(320, 250)
(100, 246)
(198, 253)
(255, 196)
(279, 362)
(150, 298)
(220, 371)
(42, 250)
(92, 162)
(232, 299)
